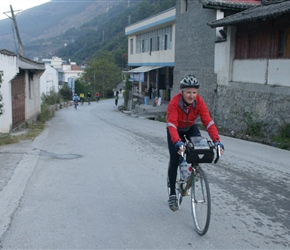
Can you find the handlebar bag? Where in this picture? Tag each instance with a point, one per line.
(199, 150)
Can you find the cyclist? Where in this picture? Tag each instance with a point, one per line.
(182, 112)
(76, 99)
(82, 97)
(89, 97)
(97, 95)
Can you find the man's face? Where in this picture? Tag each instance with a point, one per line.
(189, 94)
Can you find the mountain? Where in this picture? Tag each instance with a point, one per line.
(78, 29)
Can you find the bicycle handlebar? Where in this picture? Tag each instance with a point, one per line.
(217, 148)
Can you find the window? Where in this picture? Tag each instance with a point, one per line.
(165, 42)
(131, 46)
(158, 43)
(30, 79)
(156, 40)
(184, 6)
(143, 46)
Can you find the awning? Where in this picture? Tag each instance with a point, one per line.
(143, 69)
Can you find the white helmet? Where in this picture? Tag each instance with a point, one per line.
(189, 81)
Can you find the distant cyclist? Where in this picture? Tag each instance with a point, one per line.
(97, 95)
(89, 97)
(82, 97)
(182, 112)
(76, 99)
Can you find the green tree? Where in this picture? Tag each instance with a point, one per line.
(1, 98)
(103, 73)
(66, 92)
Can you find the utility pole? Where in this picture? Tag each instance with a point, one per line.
(129, 19)
(95, 81)
(21, 48)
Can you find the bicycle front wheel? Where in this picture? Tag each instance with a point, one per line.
(200, 202)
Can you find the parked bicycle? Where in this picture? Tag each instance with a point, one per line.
(197, 150)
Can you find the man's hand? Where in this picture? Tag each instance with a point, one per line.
(180, 147)
(222, 148)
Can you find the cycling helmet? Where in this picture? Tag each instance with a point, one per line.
(189, 81)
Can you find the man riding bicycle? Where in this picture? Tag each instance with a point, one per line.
(82, 97)
(182, 111)
(89, 97)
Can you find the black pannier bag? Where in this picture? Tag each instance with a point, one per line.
(199, 150)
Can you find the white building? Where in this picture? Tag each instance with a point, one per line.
(20, 89)
(49, 80)
(54, 62)
(151, 47)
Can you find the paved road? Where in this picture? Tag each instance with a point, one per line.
(95, 179)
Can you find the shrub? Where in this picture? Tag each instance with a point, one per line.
(51, 98)
(254, 126)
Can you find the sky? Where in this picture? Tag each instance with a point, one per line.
(18, 5)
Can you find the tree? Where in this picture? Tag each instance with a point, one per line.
(1, 98)
(66, 92)
(103, 73)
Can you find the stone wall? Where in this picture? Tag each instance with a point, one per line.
(194, 49)
(242, 105)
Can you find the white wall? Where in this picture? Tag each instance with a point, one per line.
(279, 72)
(250, 71)
(72, 74)
(8, 64)
(48, 80)
(264, 71)
(32, 104)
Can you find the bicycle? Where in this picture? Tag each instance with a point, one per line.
(89, 100)
(197, 150)
(76, 105)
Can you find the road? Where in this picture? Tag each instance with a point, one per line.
(96, 179)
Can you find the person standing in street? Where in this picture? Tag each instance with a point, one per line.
(150, 91)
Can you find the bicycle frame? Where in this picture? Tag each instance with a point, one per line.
(197, 182)
(189, 181)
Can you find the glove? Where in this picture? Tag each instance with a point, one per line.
(179, 145)
(217, 143)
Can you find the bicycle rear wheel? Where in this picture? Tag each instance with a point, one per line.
(200, 202)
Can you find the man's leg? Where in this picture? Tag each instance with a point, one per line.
(193, 131)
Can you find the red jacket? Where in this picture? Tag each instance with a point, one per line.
(179, 119)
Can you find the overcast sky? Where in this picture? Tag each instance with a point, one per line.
(18, 5)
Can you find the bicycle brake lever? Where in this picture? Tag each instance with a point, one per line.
(182, 151)
(218, 153)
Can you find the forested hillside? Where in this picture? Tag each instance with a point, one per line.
(78, 30)
(107, 31)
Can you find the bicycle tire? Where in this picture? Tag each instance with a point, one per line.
(200, 202)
